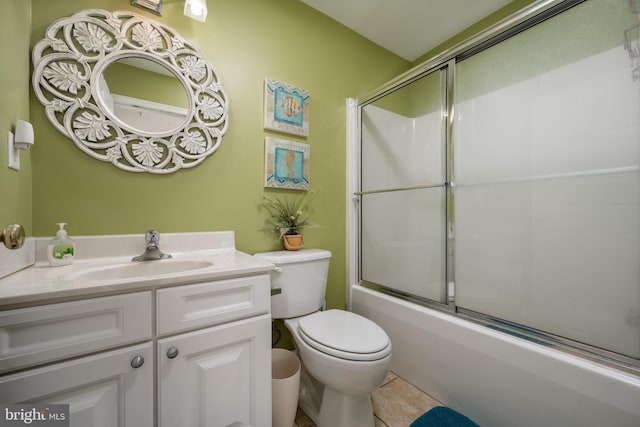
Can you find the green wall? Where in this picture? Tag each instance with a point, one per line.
(246, 41)
(15, 186)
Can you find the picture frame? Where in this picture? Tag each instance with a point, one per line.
(286, 164)
(286, 108)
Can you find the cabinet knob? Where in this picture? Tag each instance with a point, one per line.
(172, 353)
(137, 361)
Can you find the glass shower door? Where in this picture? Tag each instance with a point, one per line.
(540, 164)
(403, 194)
(547, 174)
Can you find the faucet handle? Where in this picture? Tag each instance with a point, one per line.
(152, 238)
(152, 250)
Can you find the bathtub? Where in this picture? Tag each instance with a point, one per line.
(497, 379)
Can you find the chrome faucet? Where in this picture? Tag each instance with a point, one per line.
(152, 251)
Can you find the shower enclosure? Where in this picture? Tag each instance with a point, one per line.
(499, 182)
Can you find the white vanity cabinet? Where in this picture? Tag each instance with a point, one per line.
(85, 358)
(199, 356)
(220, 373)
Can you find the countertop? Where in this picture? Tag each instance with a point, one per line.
(42, 284)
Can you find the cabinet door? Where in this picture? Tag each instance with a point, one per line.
(220, 376)
(101, 390)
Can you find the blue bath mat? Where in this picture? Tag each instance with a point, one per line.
(441, 416)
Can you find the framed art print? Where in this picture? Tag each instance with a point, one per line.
(286, 108)
(286, 164)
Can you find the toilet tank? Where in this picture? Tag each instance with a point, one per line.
(302, 277)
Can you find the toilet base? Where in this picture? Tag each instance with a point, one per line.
(329, 408)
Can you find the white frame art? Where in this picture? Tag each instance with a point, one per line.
(68, 80)
(286, 164)
(286, 108)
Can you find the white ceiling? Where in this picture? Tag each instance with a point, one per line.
(408, 28)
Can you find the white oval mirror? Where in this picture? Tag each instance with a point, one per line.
(118, 115)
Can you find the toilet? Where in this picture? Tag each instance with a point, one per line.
(344, 355)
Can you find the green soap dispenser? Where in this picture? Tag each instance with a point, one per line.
(61, 250)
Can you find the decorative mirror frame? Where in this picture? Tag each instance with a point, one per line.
(69, 62)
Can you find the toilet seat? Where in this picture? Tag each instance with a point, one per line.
(344, 335)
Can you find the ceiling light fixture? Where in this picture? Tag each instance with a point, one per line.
(196, 9)
(153, 6)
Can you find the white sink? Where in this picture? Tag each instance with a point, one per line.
(143, 268)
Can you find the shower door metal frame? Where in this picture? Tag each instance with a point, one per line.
(446, 96)
(520, 21)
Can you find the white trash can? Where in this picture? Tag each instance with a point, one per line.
(285, 387)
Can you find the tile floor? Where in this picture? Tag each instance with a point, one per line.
(396, 403)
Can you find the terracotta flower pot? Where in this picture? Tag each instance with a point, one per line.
(293, 242)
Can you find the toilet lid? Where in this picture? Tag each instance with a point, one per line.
(345, 335)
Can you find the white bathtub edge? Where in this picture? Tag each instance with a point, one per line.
(495, 378)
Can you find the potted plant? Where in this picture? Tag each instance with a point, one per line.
(289, 215)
